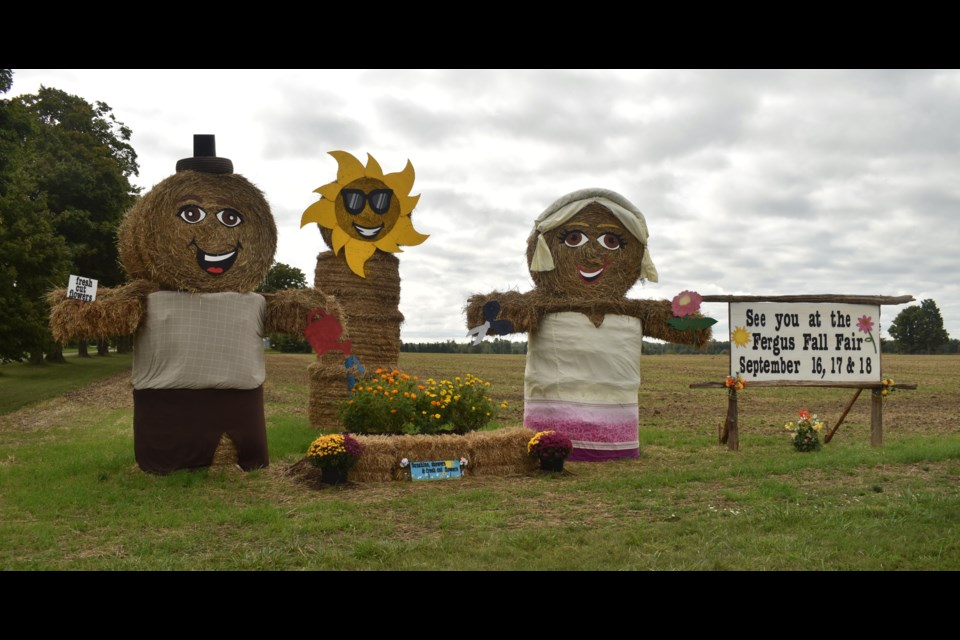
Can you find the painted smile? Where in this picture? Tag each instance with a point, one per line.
(216, 263)
(367, 232)
(591, 276)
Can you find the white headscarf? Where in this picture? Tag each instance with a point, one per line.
(573, 203)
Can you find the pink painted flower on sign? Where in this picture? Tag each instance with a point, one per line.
(685, 303)
(865, 325)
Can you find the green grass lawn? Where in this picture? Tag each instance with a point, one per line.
(24, 384)
(71, 496)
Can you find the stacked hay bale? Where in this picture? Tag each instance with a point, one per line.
(370, 306)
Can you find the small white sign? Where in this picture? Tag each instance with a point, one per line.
(80, 288)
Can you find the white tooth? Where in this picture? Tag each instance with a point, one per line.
(591, 275)
(210, 258)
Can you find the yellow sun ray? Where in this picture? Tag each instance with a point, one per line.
(340, 238)
(329, 191)
(388, 244)
(321, 212)
(357, 254)
(349, 167)
(406, 234)
(373, 169)
(401, 181)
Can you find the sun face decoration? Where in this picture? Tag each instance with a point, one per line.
(595, 255)
(740, 336)
(366, 210)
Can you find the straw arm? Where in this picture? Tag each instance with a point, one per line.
(288, 310)
(656, 314)
(520, 309)
(117, 311)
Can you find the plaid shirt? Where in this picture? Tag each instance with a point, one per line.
(200, 341)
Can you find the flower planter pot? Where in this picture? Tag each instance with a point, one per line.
(334, 476)
(551, 464)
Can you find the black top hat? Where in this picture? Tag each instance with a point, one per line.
(205, 157)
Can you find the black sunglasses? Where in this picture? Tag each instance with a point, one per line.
(379, 199)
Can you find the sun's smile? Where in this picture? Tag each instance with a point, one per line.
(216, 263)
(367, 232)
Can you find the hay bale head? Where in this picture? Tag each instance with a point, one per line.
(595, 257)
(200, 232)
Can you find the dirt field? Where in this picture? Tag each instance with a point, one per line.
(666, 401)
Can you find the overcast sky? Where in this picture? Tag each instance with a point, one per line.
(752, 182)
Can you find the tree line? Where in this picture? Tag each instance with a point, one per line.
(65, 166)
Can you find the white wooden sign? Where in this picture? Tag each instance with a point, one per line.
(808, 342)
(80, 288)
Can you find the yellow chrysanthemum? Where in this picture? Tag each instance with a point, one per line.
(361, 233)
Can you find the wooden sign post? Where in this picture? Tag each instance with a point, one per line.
(810, 341)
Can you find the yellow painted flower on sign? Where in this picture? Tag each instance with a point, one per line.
(740, 336)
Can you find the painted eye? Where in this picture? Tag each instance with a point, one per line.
(610, 241)
(575, 239)
(229, 218)
(192, 214)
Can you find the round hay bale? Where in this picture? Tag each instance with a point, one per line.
(156, 244)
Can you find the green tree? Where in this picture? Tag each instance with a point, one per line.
(282, 276)
(919, 329)
(64, 172)
(33, 258)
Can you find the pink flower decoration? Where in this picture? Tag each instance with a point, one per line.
(865, 324)
(685, 303)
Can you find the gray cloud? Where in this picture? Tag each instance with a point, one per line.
(308, 121)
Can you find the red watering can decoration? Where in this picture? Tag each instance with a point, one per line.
(323, 333)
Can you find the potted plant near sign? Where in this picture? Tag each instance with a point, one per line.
(335, 454)
(806, 431)
(551, 448)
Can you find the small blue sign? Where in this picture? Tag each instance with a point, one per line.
(435, 470)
